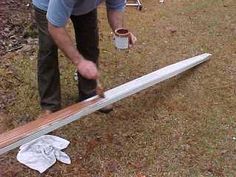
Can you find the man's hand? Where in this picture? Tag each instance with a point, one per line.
(132, 39)
(87, 69)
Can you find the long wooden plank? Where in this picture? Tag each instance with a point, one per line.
(23, 134)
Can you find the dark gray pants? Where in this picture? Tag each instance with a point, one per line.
(86, 33)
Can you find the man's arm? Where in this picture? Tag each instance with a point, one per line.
(85, 67)
(115, 19)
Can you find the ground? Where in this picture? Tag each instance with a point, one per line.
(182, 127)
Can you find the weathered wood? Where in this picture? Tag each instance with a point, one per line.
(23, 134)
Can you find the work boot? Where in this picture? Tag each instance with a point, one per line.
(105, 109)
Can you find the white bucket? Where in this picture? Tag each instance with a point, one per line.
(121, 38)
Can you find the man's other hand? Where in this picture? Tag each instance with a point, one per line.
(88, 69)
(132, 39)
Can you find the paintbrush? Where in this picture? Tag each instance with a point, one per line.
(100, 90)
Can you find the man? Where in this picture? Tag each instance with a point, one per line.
(51, 17)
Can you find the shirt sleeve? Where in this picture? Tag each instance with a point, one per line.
(116, 4)
(59, 11)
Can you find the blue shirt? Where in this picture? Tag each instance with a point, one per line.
(59, 11)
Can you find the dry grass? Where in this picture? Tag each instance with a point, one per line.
(181, 127)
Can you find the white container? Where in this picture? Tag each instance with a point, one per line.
(121, 38)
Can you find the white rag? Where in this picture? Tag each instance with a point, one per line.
(41, 153)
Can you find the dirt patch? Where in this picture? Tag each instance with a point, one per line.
(17, 30)
(16, 24)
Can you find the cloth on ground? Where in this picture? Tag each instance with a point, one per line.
(42, 153)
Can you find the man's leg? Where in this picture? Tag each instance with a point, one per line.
(87, 39)
(48, 71)
(86, 33)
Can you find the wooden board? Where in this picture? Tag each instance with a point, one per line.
(23, 134)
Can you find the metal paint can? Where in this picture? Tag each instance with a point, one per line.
(121, 38)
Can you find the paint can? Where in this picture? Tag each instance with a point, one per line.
(121, 38)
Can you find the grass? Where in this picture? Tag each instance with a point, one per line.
(181, 127)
